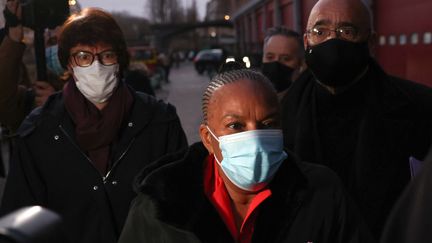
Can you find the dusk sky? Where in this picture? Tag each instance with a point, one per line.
(134, 7)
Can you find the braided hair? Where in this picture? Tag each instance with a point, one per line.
(231, 73)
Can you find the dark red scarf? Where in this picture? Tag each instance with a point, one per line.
(95, 130)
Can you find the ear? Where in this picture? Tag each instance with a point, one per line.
(206, 138)
(70, 65)
(305, 41)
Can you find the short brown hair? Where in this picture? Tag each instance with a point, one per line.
(90, 27)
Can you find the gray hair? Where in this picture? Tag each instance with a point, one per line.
(228, 77)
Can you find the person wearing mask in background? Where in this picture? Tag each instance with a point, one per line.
(283, 57)
(346, 113)
(78, 154)
(17, 98)
(239, 184)
(18, 95)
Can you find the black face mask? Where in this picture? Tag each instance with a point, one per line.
(280, 75)
(337, 62)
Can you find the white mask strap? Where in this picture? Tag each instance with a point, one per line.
(208, 128)
(214, 155)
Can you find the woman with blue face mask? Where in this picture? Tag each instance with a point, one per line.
(239, 184)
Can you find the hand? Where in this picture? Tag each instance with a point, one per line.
(42, 91)
(14, 7)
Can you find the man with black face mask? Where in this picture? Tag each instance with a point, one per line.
(283, 59)
(345, 112)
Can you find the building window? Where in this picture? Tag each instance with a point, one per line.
(382, 40)
(402, 40)
(427, 38)
(414, 39)
(392, 40)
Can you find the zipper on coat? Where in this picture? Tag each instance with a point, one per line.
(104, 178)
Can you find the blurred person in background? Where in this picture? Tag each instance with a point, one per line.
(165, 62)
(283, 57)
(346, 113)
(78, 154)
(136, 76)
(239, 184)
(18, 95)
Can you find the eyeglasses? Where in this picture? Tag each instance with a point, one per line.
(319, 34)
(85, 58)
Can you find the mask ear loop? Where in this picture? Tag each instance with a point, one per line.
(208, 128)
(214, 155)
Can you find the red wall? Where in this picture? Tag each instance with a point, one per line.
(270, 13)
(287, 13)
(306, 8)
(259, 27)
(401, 17)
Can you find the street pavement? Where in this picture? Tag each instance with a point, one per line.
(185, 92)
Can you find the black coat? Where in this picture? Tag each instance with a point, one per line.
(308, 204)
(50, 170)
(395, 123)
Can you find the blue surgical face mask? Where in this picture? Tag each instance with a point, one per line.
(52, 61)
(251, 158)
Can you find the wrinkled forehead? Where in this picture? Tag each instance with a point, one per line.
(335, 13)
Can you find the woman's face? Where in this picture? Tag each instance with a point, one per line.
(237, 107)
(85, 55)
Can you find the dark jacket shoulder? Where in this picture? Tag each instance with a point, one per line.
(319, 176)
(162, 111)
(417, 94)
(172, 169)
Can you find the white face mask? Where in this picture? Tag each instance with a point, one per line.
(96, 82)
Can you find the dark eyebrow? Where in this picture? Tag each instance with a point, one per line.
(327, 22)
(347, 24)
(321, 22)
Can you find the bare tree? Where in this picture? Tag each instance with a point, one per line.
(192, 12)
(165, 11)
(134, 28)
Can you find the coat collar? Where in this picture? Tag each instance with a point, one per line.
(175, 183)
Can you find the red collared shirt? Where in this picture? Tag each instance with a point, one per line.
(217, 193)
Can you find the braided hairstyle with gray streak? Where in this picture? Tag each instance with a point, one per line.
(231, 73)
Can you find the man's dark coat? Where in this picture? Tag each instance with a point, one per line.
(395, 124)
